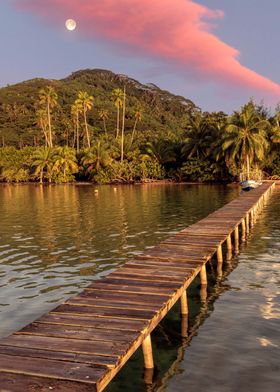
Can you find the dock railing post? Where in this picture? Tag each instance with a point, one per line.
(148, 353)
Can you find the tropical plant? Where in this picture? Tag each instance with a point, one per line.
(76, 110)
(138, 115)
(245, 139)
(65, 161)
(48, 98)
(117, 96)
(43, 162)
(104, 115)
(86, 102)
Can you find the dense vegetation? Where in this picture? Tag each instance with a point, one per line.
(102, 127)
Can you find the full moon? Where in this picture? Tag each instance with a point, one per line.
(70, 24)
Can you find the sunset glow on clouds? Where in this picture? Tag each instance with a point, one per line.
(179, 32)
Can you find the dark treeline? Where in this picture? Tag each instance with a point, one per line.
(102, 127)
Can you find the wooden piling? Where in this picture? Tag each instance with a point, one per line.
(184, 304)
(236, 239)
(229, 248)
(243, 225)
(148, 353)
(203, 275)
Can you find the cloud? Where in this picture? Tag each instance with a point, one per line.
(179, 32)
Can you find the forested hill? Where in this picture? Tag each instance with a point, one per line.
(163, 112)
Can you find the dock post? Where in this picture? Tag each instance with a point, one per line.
(236, 239)
(219, 261)
(203, 275)
(229, 248)
(252, 218)
(247, 224)
(148, 353)
(184, 304)
(243, 224)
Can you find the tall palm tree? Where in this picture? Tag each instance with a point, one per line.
(48, 97)
(123, 120)
(76, 110)
(42, 121)
(43, 161)
(86, 101)
(65, 160)
(117, 95)
(104, 115)
(246, 137)
(138, 115)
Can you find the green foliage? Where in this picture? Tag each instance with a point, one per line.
(196, 169)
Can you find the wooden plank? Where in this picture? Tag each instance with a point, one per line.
(85, 320)
(11, 382)
(65, 345)
(136, 297)
(104, 312)
(81, 333)
(107, 304)
(124, 288)
(48, 368)
(107, 361)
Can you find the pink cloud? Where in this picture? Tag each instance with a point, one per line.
(179, 31)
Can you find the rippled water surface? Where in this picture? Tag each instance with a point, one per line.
(55, 240)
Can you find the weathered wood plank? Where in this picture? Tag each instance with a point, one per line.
(49, 368)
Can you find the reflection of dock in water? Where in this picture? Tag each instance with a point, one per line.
(82, 344)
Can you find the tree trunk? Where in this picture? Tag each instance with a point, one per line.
(123, 120)
(41, 177)
(105, 128)
(133, 131)
(118, 121)
(86, 127)
(78, 136)
(50, 125)
(247, 167)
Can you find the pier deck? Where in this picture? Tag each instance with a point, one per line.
(83, 343)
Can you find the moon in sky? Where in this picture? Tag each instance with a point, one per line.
(70, 24)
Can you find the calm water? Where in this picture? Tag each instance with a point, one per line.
(55, 240)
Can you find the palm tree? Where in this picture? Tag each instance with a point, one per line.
(42, 121)
(43, 161)
(117, 95)
(65, 160)
(48, 97)
(96, 157)
(123, 120)
(246, 137)
(138, 115)
(76, 110)
(104, 115)
(198, 137)
(86, 101)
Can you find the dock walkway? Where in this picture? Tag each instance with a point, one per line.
(83, 343)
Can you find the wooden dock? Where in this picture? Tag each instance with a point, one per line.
(82, 344)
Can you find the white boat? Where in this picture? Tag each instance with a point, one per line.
(248, 185)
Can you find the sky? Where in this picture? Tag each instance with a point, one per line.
(218, 53)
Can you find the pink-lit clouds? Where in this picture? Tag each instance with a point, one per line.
(176, 31)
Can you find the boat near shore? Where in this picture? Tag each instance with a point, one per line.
(248, 185)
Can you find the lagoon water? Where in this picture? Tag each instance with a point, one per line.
(55, 240)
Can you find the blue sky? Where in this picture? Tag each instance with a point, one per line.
(35, 46)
